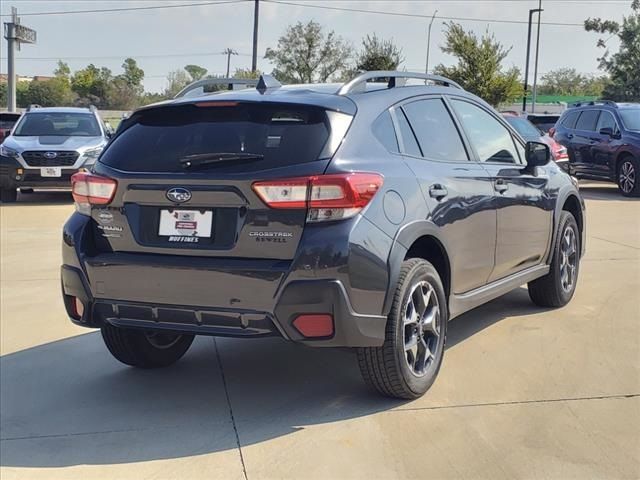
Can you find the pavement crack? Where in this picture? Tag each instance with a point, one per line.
(617, 243)
(519, 402)
(233, 420)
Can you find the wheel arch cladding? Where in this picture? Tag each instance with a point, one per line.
(429, 248)
(572, 205)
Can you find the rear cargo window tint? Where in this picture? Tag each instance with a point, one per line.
(569, 120)
(588, 120)
(159, 138)
(385, 133)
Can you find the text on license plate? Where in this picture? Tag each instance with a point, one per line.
(185, 223)
(51, 172)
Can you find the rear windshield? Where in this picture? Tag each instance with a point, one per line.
(544, 123)
(58, 124)
(157, 139)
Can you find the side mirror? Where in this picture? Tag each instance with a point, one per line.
(606, 131)
(537, 154)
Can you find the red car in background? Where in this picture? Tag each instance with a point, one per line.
(7, 121)
(531, 133)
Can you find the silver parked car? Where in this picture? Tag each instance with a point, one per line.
(47, 146)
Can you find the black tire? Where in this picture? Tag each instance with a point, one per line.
(387, 368)
(8, 195)
(628, 176)
(145, 349)
(552, 290)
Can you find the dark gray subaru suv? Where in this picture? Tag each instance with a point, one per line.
(361, 215)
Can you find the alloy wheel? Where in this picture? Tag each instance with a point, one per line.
(568, 259)
(627, 178)
(422, 328)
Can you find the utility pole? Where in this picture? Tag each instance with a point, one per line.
(254, 59)
(228, 52)
(426, 68)
(526, 69)
(15, 34)
(535, 74)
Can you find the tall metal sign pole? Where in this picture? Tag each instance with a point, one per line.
(526, 68)
(254, 59)
(16, 35)
(426, 68)
(535, 73)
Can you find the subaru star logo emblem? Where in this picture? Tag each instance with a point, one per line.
(179, 195)
(50, 154)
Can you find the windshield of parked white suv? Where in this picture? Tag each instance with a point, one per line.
(631, 119)
(58, 124)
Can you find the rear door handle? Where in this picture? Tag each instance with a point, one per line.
(569, 135)
(437, 191)
(500, 186)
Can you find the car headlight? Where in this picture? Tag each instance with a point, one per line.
(92, 154)
(8, 152)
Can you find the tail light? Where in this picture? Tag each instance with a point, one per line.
(552, 131)
(558, 151)
(328, 197)
(89, 189)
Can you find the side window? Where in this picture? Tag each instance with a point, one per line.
(588, 120)
(569, 120)
(408, 138)
(606, 120)
(491, 139)
(385, 132)
(437, 135)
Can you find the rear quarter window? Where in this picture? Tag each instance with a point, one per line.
(569, 120)
(157, 139)
(384, 131)
(588, 120)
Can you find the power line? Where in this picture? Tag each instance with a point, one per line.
(416, 15)
(127, 9)
(121, 57)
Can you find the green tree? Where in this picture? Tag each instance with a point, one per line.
(92, 84)
(133, 75)
(378, 54)
(247, 73)
(479, 69)
(125, 90)
(196, 72)
(63, 71)
(563, 81)
(623, 67)
(176, 81)
(306, 54)
(48, 93)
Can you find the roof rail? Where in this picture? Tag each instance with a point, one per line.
(358, 84)
(33, 106)
(594, 102)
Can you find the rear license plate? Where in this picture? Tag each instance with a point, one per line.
(185, 223)
(51, 172)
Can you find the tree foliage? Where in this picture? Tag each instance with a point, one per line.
(567, 81)
(176, 81)
(479, 69)
(196, 72)
(306, 54)
(623, 67)
(378, 54)
(247, 73)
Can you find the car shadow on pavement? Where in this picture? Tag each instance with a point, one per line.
(41, 198)
(69, 403)
(604, 192)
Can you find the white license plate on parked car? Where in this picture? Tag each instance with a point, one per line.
(185, 223)
(51, 172)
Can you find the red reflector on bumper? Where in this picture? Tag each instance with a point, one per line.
(314, 325)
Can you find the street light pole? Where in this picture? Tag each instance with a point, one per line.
(526, 69)
(254, 58)
(426, 69)
(535, 74)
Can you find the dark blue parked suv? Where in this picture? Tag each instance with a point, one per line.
(603, 143)
(361, 215)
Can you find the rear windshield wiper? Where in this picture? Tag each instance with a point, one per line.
(205, 159)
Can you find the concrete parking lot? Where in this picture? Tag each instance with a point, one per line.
(524, 392)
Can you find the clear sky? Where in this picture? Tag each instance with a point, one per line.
(166, 39)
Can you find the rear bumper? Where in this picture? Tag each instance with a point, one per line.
(224, 296)
(300, 297)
